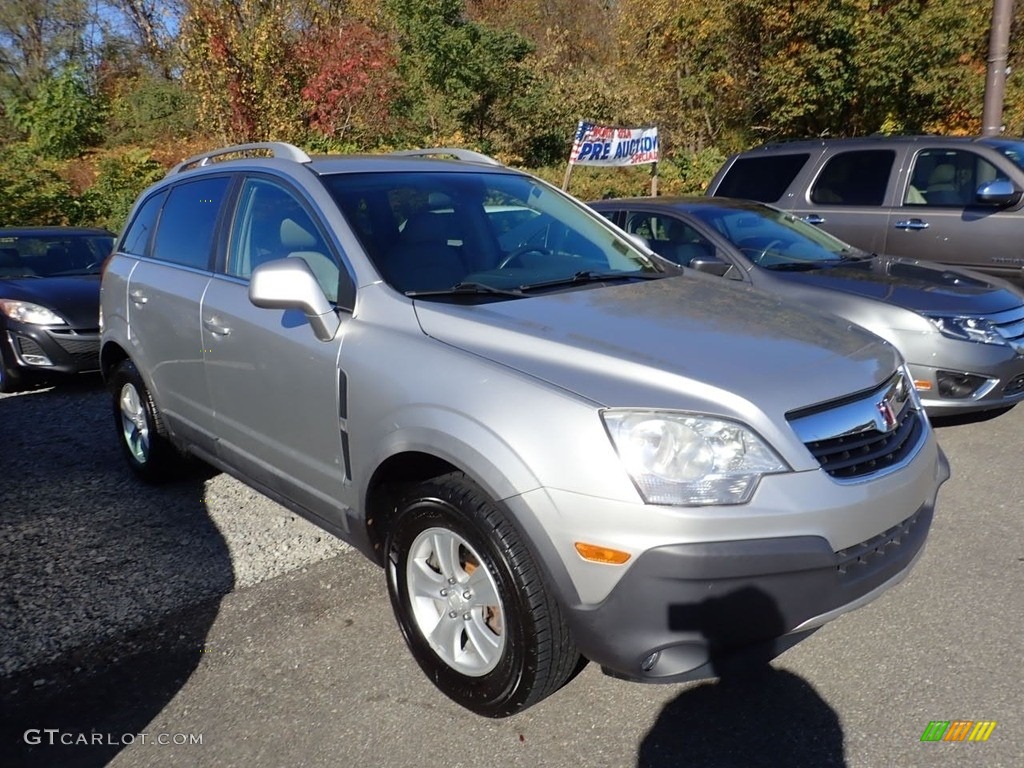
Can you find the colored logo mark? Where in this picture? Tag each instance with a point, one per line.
(958, 730)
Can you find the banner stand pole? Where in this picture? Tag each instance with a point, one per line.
(565, 181)
(654, 179)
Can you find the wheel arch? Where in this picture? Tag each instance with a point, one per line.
(423, 462)
(111, 355)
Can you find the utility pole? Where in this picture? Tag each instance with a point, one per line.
(995, 83)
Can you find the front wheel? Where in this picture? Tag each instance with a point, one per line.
(471, 601)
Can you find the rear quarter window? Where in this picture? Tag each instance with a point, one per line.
(140, 231)
(764, 178)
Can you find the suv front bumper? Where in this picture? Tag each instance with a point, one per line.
(696, 602)
(692, 611)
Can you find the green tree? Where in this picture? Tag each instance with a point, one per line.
(33, 191)
(122, 175)
(64, 118)
(460, 77)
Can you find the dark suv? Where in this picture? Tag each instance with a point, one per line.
(954, 200)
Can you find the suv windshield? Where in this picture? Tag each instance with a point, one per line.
(773, 239)
(53, 255)
(486, 235)
(1012, 150)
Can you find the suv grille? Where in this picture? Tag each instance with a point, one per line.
(865, 434)
(868, 452)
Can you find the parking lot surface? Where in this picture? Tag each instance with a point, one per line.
(201, 624)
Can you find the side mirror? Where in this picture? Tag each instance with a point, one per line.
(712, 265)
(290, 284)
(1001, 192)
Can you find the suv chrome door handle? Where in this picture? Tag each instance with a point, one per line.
(813, 218)
(138, 297)
(214, 326)
(911, 224)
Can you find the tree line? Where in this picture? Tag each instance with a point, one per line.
(99, 97)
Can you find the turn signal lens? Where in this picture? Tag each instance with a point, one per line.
(598, 554)
(922, 385)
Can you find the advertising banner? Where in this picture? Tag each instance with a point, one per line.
(611, 146)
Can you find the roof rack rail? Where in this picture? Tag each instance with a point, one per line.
(457, 152)
(275, 148)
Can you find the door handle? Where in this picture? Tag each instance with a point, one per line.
(214, 326)
(138, 297)
(911, 224)
(813, 218)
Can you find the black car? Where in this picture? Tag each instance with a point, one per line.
(49, 301)
(961, 332)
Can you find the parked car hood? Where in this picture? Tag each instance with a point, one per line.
(913, 285)
(76, 298)
(671, 343)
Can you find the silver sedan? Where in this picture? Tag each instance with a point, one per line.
(961, 332)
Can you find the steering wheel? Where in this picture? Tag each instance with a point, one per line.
(764, 251)
(521, 251)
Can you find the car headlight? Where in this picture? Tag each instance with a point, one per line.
(690, 459)
(968, 329)
(27, 312)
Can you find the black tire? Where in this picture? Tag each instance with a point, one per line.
(536, 656)
(149, 453)
(10, 378)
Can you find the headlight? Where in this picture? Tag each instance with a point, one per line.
(968, 329)
(27, 312)
(689, 459)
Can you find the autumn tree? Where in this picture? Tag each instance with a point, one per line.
(350, 82)
(239, 61)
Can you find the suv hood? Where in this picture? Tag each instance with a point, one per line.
(678, 342)
(76, 298)
(912, 285)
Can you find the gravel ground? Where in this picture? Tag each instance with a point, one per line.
(90, 555)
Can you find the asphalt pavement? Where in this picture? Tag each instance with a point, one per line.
(307, 667)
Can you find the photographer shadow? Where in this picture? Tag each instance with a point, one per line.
(753, 714)
(108, 587)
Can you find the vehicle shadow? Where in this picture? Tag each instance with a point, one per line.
(774, 718)
(753, 714)
(108, 587)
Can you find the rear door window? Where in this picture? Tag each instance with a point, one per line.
(764, 179)
(854, 178)
(189, 221)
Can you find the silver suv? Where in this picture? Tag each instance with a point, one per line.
(951, 199)
(557, 445)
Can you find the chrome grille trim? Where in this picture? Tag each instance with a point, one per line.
(873, 434)
(1009, 324)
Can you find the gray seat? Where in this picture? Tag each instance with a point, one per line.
(942, 188)
(427, 255)
(299, 243)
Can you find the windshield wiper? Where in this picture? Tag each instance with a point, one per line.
(589, 276)
(799, 266)
(467, 289)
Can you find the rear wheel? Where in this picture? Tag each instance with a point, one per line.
(472, 603)
(144, 439)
